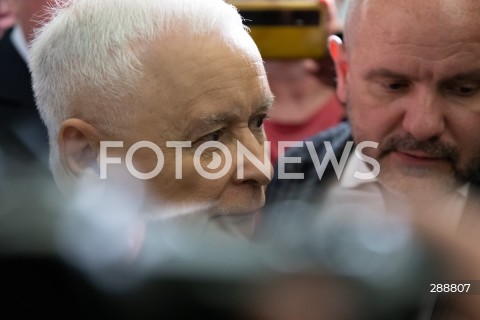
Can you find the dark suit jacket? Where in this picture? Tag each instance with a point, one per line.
(23, 136)
(290, 202)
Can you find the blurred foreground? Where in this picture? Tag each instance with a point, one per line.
(92, 257)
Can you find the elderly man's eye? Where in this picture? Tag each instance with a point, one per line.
(213, 136)
(217, 135)
(257, 122)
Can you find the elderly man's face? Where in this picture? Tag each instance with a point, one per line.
(202, 91)
(411, 80)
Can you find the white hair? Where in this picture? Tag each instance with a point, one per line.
(86, 60)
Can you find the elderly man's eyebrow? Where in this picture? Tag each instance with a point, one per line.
(212, 119)
(266, 104)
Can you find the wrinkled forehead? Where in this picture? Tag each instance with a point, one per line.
(237, 38)
(184, 54)
(190, 67)
(238, 42)
(428, 23)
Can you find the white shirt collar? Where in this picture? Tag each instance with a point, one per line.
(19, 42)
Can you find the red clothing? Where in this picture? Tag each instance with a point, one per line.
(327, 116)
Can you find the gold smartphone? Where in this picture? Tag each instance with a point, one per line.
(286, 29)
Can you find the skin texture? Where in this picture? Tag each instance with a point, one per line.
(185, 85)
(233, 85)
(411, 82)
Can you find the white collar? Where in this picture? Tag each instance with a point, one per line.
(19, 42)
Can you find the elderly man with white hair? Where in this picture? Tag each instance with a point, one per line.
(153, 97)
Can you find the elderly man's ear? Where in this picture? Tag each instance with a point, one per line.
(79, 145)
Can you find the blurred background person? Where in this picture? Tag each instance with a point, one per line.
(7, 18)
(26, 182)
(304, 89)
(305, 100)
(23, 136)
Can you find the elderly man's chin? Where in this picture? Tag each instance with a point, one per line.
(238, 217)
(234, 213)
